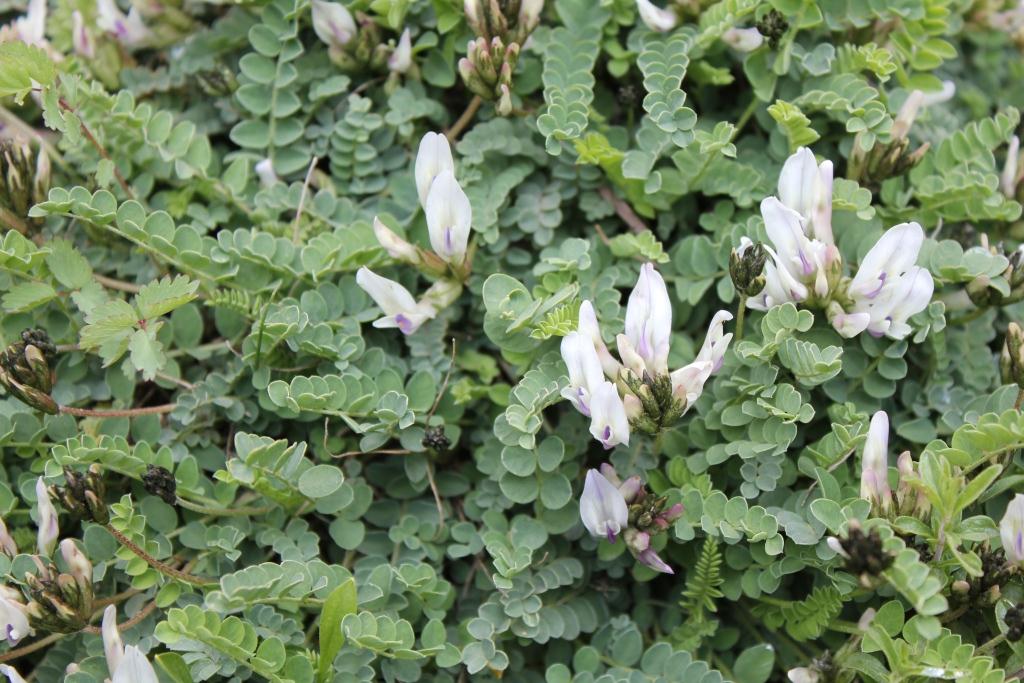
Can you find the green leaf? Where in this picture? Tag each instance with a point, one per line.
(321, 481)
(339, 604)
(69, 267)
(147, 353)
(174, 666)
(26, 296)
(754, 665)
(23, 68)
(163, 296)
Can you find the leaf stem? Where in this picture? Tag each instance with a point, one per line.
(741, 314)
(224, 512)
(125, 412)
(99, 147)
(156, 564)
(460, 124)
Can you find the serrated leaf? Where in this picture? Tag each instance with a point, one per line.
(163, 296)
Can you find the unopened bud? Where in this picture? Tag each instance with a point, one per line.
(78, 564)
(907, 114)
(1013, 353)
(746, 267)
(160, 482)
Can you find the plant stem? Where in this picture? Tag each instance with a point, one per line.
(302, 199)
(741, 314)
(991, 644)
(99, 147)
(1020, 399)
(126, 412)
(460, 124)
(223, 512)
(156, 564)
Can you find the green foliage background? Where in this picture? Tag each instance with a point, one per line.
(296, 429)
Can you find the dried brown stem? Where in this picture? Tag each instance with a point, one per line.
(99, 147)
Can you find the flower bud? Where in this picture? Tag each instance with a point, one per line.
(1011, 531)
(7, 544)
(333, 23)
(396, 247)
(1009, 178)
(129, 30)
(433, 157)
(1013, 354)
(46, 519)
(743, 39)
(265, 172)
(874, 478)
(401, 59)
(651, 559)
(78, 564)
(907, 114)
(746, 267)
(81, 39)
(160, 482)
(449, 217)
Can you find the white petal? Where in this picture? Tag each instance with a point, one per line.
(656, 18)
(434, 155)
(649, 319)
(401, 59)
(584, 369)
(265, 172)
(798, 182)
(743, 39)
(390, 296)
(688, 381)
(602, 507)
(333, 23)
(1011, 530)
(795, 253)
(894, 252)
(716, 342)
(588, 326)
(134, 668)
(12, 675)
(46, 539)
(13, 621)
(396, 247)
(609, 423)
(449, 217)
(875, 460)
(113, 646)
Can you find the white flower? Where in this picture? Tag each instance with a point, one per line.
(602, 507)
(944, 95)
(589, 327)
(888, 286)
(13, 619)
(688, 381)
(806, 187)
(12, 675)
(1008, 178)
(125, 664)
(399, 306)
(803, 674)
(81, 40)
(401, 59)
(1011, 531)
(396, 247)
(804, 260)
(648, 324)
(333, 23)
(265, 172)
(433, 157)
(608, 421)
(31, 28)
(743, 39)
(46, 539)
(656, 18)
(129, 30)
(449, 217)
(529, 13)
(874, 466)
(584, 368)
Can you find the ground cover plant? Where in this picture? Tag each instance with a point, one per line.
(578, 341)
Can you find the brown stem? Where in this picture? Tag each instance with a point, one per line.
(142, 614)
(31, 647)
(126, 412)
(302, 199)
(156, 564)
(624, 210)
(120, 285)
(99, 147)
(13, 220)
(1020, 399)
(460, 124)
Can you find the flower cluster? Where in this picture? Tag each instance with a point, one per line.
(449, 219)
(874, 474)
(610, 507)
(638, 391)
(351, 45)
(501, 30)
(805, 265)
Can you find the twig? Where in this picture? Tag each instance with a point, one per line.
(99, 147)
(119, 285)
(302, 198)
(600, 233)
(437, 495)
(444, 384)
(31, 647)
(460, 124)
(134, 621)
(126, 412)
(156, 564)
(624, 210)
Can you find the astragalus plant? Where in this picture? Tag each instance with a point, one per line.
(578, 341)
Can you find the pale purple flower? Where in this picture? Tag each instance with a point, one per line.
(401, 59)
(874, 477)
(399, 307)
(449, 218)
(608, 421)
(602, 507)
(333, 23)
(1011, 531)
(46, 518)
